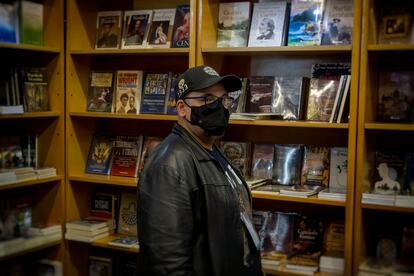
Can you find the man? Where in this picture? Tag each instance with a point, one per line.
(132, 108)
(108, 39)
(136, 36)
(194, 208)
(124, 102)
(266, 29)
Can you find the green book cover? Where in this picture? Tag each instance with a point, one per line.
(31, 23)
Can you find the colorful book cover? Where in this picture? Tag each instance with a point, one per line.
(99, 158)
(338, 172)
(322, 94)
(238, 153)
(305, 22)
(338, 22)
(9, 29)
(31, 23)
(233, 24)
(100, 91)
(136, 28)
(104, 205)
(127, 221)
(262, 165)
(161, 30)
(287, 164)
(268, 23)
(126, 155)
(260, 94)
(315, 166)
(11, 155)
(171, 102)
(154, 93)
(389, 172)
(128, 92)
(108, 30)
(181, 32)
(35, 89)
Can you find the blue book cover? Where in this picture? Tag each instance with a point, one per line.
(8, 23)
(171, 108)
(154, 92)
(305, 23)
(100, 155)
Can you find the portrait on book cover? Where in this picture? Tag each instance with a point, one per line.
(159, 33)
(108, 32)
(396, 26)
(135, 27)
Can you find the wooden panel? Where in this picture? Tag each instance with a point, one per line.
(53, 23)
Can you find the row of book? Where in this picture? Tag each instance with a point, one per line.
(159, 28)
(8, 176)
(21, 21)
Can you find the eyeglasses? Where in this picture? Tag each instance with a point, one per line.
(213, 101)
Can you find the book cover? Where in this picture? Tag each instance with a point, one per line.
(171, 102)
(389, 172)
(161, 30)
(262, 161)
(35, 89)
(136, 28)
(315, 166)
(31, 23)
(233, 24)
(127, 242)
(9, 29)
(287, 164)
(239, 98)
(100, 91)
(268, 23)
(289, 96)
(305, 22)
(127, 221)
(395, 23)
(108, 29)
(338, 22)
(238, 153)
(395, 97)
(322, 94)
(100, 266)
(128, 91)
(126, 155)
(28, 144)
(260, 94)
(330, 71)
(99, 158)
(154, 92)
(338, 171)
(181, 31)
(150, 142)
(104, 205)
(11, 155)
(334, 236)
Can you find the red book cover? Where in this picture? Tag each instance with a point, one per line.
(126, 153)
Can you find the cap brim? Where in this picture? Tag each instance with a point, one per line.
(230, 82)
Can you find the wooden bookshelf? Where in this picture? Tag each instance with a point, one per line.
(30, 250)
(144, 51)
(104, 179)
(29, 48)
(389, 126)
(45, 114)
(287, 50)
(26, 183)
(307, 200)
(396, 209)
(390, 47)
(104, 244)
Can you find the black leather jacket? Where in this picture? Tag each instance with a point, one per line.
(188, 216)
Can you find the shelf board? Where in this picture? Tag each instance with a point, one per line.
(280, 49)
(29, 250)
(143, 51)
(26, 183)
(390, 47)
(282, 272)
(124, 116)
(307, 200)
(31, 115)
(387, 208)
(104, 179)
(104, 243)
(28, 47)
(389, 126)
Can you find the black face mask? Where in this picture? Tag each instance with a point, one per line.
(213, 117)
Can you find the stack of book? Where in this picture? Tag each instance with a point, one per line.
(89, 229)
(127, 242)
(45, 172)
(7, 177)
(332, 262)
(379, 199)
(45, 230)
(25, 173)
(301, 191)
(11, 109)
(11, 246)
(404, 201)
(332, 193)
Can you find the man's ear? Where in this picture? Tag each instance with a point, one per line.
(181, 108)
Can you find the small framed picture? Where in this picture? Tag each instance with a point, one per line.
(396, 26)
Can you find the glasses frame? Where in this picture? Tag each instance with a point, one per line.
(215, 102)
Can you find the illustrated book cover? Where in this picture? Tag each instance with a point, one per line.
(238, 153)
(161, 30)
(100, 91)
(262, 161)
(136, 28)
(322, 94)
(31, 23)
(128, 91)
(287, 164)
(108, 29)
(100, 153)
(9, 26)
(338, 172)
(126, 155)
(35, 89)
(315, 166)
(388, 172)
(127, 221)
(260, 94)
(338, 22)
(181, 30)
(233, 24)
(154, 93)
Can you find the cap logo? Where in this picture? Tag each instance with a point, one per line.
(210, 71)
(182, 87)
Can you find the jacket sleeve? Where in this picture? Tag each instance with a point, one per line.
(165, 222)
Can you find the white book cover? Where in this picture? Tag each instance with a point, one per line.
(338, 22)
(267, 25)
(161, 30)
(108, 29)
(338, 170)
(233, 24)
(136, 28)
(128, 91)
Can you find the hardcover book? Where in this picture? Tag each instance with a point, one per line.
(104, 205)
(31, 23)
(136, 28)
(126, 155)
(100, 91)
(238, 153)
(181, 31)
(321, 99)
(389, 172)
(127, 221)
(305, 22)
(128, 92)
(338, 172)
(99, 158)
(35, 92)
(260, 94)
(287, 164)
(262, 165)
(268, 24)
(315, 166)
(161, 30)
(233, 24)
(108, 29)
(338, 22)
(9, 29)
(154, 93)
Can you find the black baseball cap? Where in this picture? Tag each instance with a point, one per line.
(201, 77)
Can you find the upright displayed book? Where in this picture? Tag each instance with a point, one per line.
(395, 23)
(287, 164)
(100, 153)
(154, 92)
(259, 99)
(128, 92)
(108, 29)
(181, 31)
(104, 205)
(127, 221)
(233, 24)
(126, 155)
(321, 99)
(9, 28)
(35, 92)
(150, 142)
(100, 91)
(305, 22)
(338, 172)
(239, 98)
(136, 28)
(161, 30)
(338, 22)
(31, 23)
(170, 99)
(389, 172)
(315, 166)
(262, 161)
(238, 153)
(268, 24)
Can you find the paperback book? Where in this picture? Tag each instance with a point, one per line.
(136, 28)
(108, 29)
(260, 94)
(338, 22)
(287, 164)
(154, 93)
(161, 30)
(9, 28)
(128, 92)
(389, 172)
(100, 91)
(99, 158)
(127, 221)
(315, 166)
(35, 92)
(126, 155)
(181, 31)
(233, 24)
(31, 23)
(338, 171)
(238, 153)
(262, 165)
(321, 99)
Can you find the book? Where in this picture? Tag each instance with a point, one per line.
(127, 220)
(9, 28)
(126, 155)
(315, 166)
(334, 237)
(100, 91)
(262, 161)
(154, 93)
(35, 89)
(233, 24)
(136, 28)
(128, 91)
(90, 224)
(338, 23)
(395, 97)
(90, 234)
(301, 190)
(256, 116)
(239, 99)
(31, 23)
(289, 96)
(100, 266)
(40, 229)
(342, 108)
(238, 153)
(389, 172)
(268, 23)
(170, 104)
(321, 99)
(161, 30)
(104, 205)
(338, 168)
(287, 164)
(395, 23)
(305, 22)
(330, 71)
(181, 30)
(100, 154)
(260, 94)
(108, 29)
(11, 155)
(127, 242)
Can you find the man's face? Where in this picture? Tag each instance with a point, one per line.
(137, 25)
(263, 27)
(107, 28)
(131, 102)
(124, 101)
